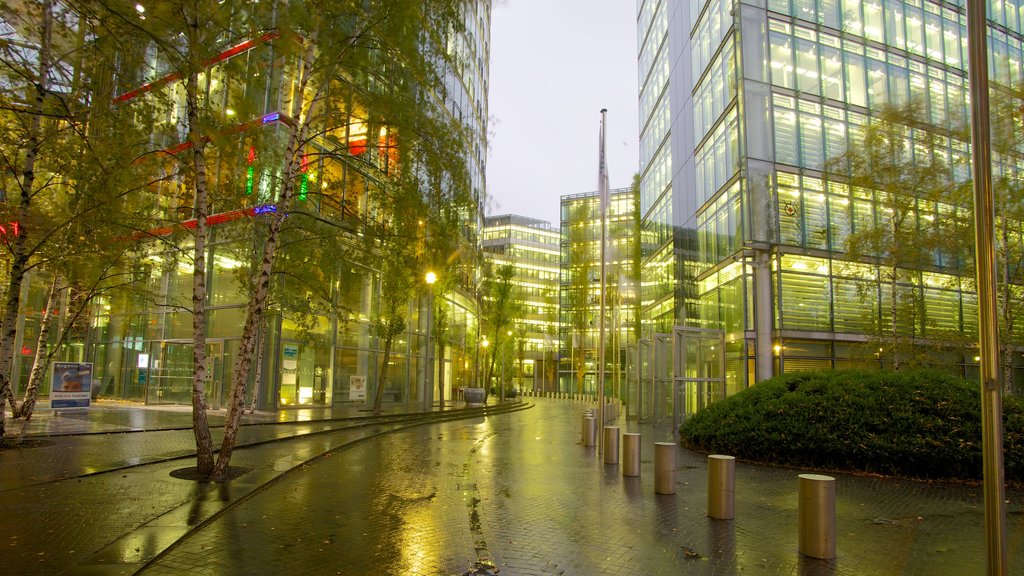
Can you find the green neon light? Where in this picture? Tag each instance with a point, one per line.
(248, 179)
(303, 187)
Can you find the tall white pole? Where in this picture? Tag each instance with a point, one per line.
(602, 185)
(988, 336)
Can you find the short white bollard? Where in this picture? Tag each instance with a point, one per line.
(721, 487)
(611, 444)
(630, 454)
(817, 507)
(664, 468)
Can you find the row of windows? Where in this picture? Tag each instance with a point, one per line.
(655, 134)
(718, 157)
(652, 42)
(723, 302)
(809, 298)
(715, 92)
(718, 227)
(647, 11)
(815, 215)
(810, 134)
(821, 64)
(587, 209)
(657, 277)
(657, 227)
(520, 233)
(709, 32)
(926, 29)
(927, 305)
(657, 178)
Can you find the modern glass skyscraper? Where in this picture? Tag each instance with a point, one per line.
(744, 107)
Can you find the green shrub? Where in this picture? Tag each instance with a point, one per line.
(922, 424)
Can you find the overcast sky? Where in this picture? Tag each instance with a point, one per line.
(554, 65)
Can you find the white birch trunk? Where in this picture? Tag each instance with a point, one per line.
(19, 252)
(43, 355)
(200, 424)
(261, 286)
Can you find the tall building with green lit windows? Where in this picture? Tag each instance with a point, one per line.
(532, 247)
(743, 104)
(580, 300)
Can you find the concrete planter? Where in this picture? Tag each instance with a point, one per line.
(475, 396)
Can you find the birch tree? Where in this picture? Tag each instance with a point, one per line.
(896, 161)
(67, 156)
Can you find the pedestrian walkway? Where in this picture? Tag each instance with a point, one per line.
(515, 492)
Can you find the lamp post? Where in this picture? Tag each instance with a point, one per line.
(428, 395)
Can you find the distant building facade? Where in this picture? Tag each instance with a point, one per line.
(579, 313)
(531, 246)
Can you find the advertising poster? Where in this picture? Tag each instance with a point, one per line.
(357, 387)
(71, 385)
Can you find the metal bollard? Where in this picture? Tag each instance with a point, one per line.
(611, 444)
(590, 431)
(721, 487)
(817, 507)
(664, 468)
(583, 423)
(630, 454)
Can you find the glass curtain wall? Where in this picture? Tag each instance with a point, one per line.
(776, 91)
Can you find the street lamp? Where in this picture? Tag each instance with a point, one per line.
(429, 376)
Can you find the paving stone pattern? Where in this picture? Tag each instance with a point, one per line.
(519, 494)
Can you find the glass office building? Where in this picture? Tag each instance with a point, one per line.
(531, 246)
(580, 300)
(141, 346)
(743, 104)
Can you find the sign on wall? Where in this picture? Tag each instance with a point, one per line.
(71, 385)
(356, 387)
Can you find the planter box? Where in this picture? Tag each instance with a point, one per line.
(475, 396)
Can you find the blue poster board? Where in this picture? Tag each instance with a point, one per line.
(71, 385)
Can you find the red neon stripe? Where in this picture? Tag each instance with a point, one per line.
(233, 51)
(212, 220)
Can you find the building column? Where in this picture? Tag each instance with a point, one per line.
(764, 361)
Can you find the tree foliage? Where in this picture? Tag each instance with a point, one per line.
(340, 66)
(499, 309)
(69, 165)
(896, 164)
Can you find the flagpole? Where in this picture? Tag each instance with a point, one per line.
(988, 322)
(602, 185)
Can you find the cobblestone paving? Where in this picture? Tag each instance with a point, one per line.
(49, 459)
(520, 492)
(46, 528)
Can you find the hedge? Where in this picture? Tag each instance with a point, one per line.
(919, 424)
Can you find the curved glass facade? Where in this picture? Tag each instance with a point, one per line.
(317, 342)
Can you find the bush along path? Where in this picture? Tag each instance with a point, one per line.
(918, 424)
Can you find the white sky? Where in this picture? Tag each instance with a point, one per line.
(554, 65)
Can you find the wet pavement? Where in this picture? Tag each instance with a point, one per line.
(513, 493)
